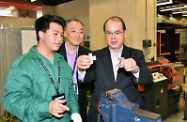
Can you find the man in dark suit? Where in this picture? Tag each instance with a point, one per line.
(116, 66)
(71, 49)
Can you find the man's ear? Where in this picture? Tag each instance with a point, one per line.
(65, 33)
(125, 34)
(41, 34)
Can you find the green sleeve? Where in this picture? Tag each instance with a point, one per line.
(19, 99)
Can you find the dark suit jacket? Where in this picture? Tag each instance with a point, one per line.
(82, 87)
(102, 72)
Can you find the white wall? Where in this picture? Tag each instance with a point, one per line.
(28, 39)
(139, 16)
(75, 9)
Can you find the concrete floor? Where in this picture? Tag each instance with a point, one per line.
(178, 116)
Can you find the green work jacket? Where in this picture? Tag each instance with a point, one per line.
(29, 90)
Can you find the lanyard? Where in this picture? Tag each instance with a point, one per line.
(74, 64)
(52, 81)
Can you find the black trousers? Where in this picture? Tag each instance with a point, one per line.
(83, 103)
(93, 115)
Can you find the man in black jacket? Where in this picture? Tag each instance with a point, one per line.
(71, 49)
(116, 66)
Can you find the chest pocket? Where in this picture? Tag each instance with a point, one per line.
(42, 85)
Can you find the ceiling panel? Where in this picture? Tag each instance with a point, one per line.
(21, 4)
(28, 5)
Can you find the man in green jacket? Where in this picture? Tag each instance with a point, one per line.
(39, 85)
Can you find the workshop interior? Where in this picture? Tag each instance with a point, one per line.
(158, 27)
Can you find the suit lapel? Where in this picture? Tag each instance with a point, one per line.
(120, 75)
(125, 52)
(107, 62)
(81, 51)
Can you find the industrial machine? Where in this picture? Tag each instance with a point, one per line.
(156, 95)
(162, 95)
(115, 107)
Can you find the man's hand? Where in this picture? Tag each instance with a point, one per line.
(129, 65)
(84, 62)
(56, 108)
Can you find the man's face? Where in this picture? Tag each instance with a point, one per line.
(52, 38)
(74, 33)
(114, 34)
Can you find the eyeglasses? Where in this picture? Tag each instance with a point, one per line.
(116, 33)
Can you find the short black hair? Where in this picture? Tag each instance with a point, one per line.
(115, 18)
(43, 23)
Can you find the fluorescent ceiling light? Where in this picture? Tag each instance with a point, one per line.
(184, 15)
(159, 3)
(5, 13)
(33, 0)
(169, 8)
